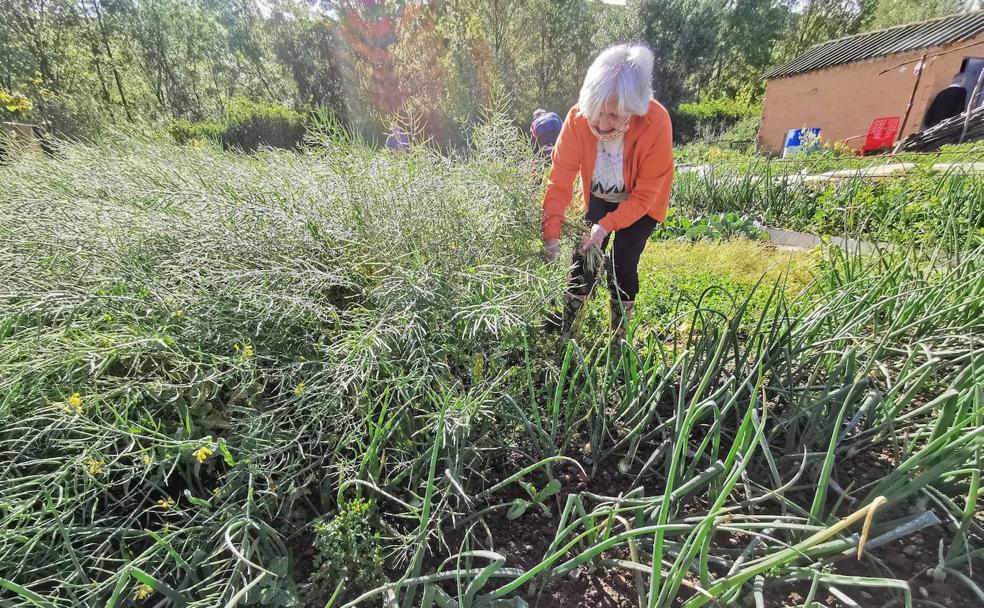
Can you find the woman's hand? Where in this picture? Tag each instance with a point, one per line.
(595, 238)
(551, 249)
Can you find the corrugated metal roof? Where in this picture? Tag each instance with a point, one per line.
(901, 39)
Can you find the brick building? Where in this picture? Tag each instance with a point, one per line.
(842, 85)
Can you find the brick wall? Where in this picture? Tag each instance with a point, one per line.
(844, 99)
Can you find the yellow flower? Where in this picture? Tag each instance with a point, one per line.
(165, 503)
(236, 347)
(143, 592)
(75, 402)
(298, 389)
(179, 313)
(95, 467)
(203, 453)
(217, 491)
(248, 351)
(147, 460)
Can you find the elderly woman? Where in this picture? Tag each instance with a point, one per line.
(620, 140)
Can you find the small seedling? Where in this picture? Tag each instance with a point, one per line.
(537, 497)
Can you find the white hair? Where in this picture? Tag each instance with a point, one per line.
(624, 71)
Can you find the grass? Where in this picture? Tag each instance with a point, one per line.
(677, 277)
(223, 376)
(677, 270)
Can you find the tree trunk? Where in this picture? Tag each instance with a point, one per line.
(112, 60)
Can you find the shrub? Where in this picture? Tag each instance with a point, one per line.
(745, 131)
(70, 117)
(274, 302)
(700, 152)
(711, 116)
(247, 125)
(251, 124)
(184, 131)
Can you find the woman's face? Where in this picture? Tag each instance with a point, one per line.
(609, 118)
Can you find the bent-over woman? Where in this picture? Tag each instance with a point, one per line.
(619, 139)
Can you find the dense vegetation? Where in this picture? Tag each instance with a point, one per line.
(319, 377)
(86, 67)
(940, 198)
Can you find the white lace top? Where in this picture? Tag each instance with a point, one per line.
(608, 180)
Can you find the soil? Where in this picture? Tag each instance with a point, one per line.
(910, 558)
(603, 588)
(525, 541)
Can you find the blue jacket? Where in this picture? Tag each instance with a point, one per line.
(544, 131)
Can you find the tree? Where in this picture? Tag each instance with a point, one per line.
(684, 36)
(552, 46)
(750, 31)
(819, 21)
(419, 54)
(367, 34)
(888, 13)
(306, 44)
(103, 33)
(43, 54)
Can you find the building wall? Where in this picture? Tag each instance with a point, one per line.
(844, 99)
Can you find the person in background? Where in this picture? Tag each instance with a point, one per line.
(620, 141)
(397, 139)
(544, 131)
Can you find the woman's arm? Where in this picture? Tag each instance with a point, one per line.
(560, 185)
(651, 195)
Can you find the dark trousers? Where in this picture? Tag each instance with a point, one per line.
(622, 265)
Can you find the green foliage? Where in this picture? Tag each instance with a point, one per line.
(703, 152)
(92, 65)
(815, 21)
(106, 64)
(743, 134)
(889, 13)
(683, 35)
(277, 301)
(250, 124)
(185, 131)
(72, 117)
(349, 550)
(13, 105)
(552, 47)
(537, 497)
(680, 276)
(247, 126)
(235, 346)
(719, 111)
(922, 205)
(715, 115)
(749, 36)
(957, 152)
(714, 227)
(308, 48)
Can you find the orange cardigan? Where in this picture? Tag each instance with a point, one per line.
(648, 170)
